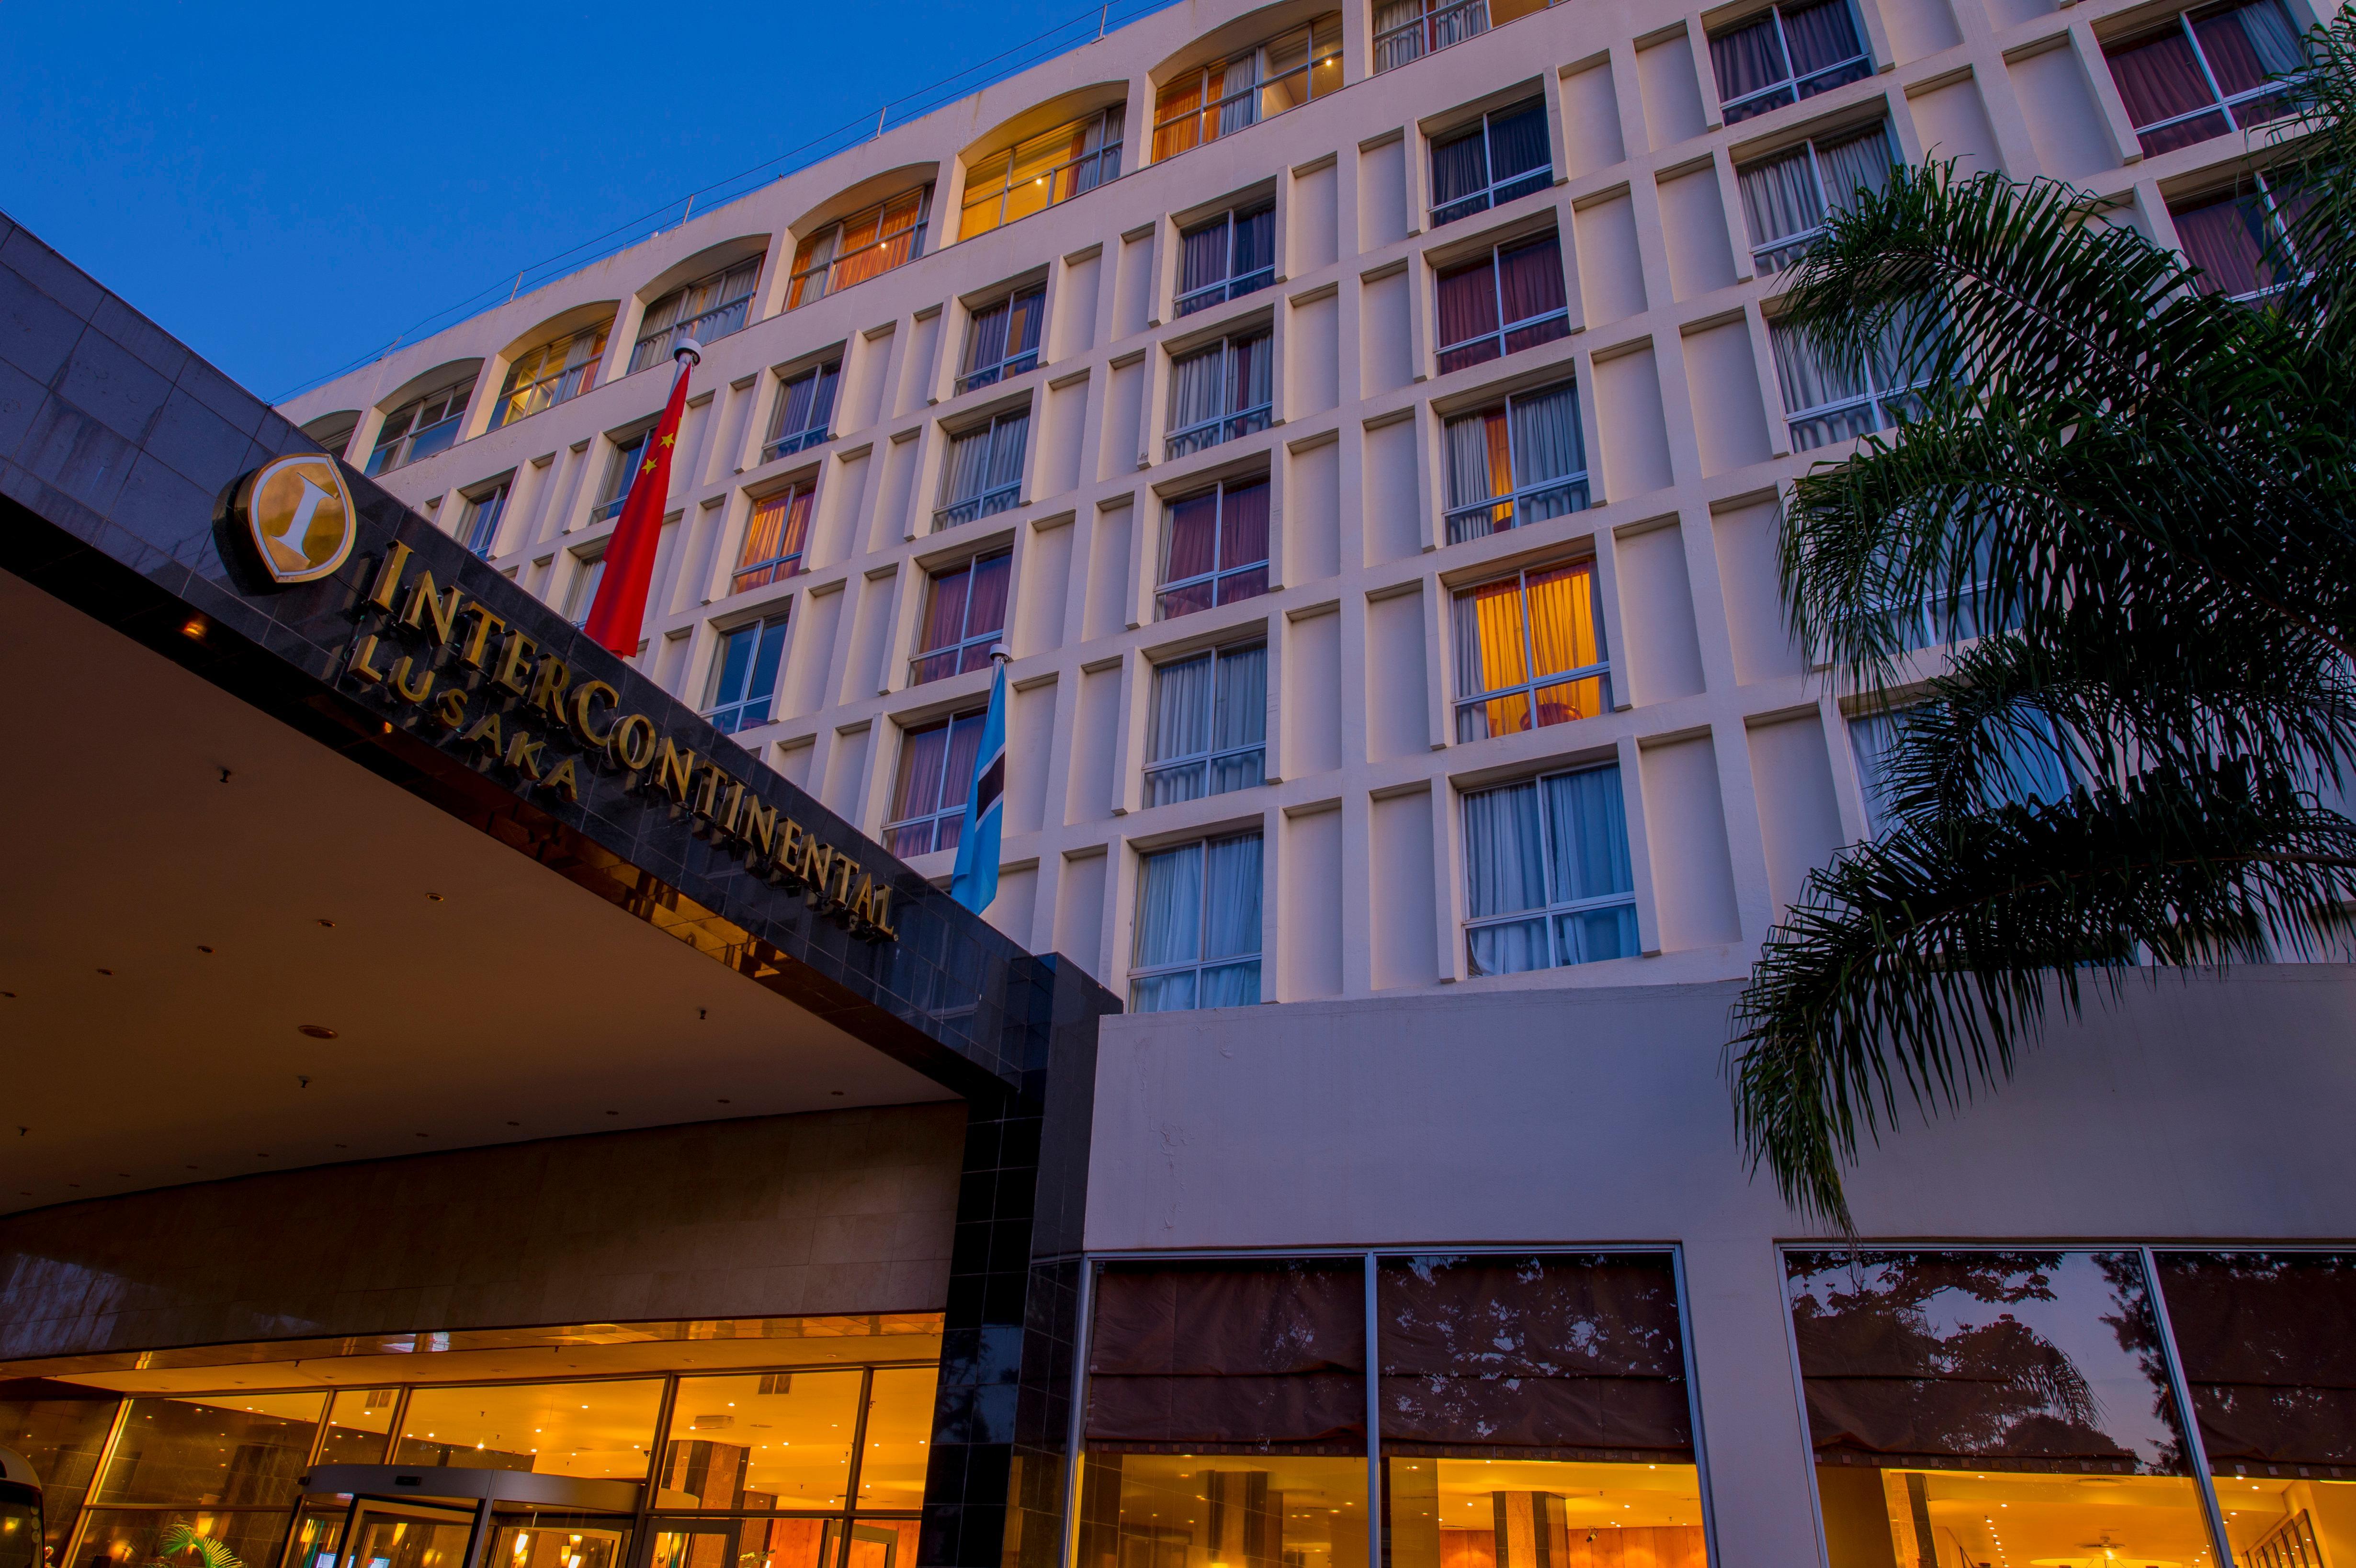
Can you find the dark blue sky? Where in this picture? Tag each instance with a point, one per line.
(287, 187)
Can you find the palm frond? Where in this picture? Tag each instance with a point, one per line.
(2319, 136)
(181, 1536)
(1917, 967)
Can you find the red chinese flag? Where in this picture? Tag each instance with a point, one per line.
(619, 611)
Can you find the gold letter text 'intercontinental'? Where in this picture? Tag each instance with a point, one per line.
(517, 685)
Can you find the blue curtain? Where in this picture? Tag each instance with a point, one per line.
(1239, 719)
(1504, 865)
(1170, 908)
(1517, 142)
(1231, 898)
(1547, 444)
(1590, 831)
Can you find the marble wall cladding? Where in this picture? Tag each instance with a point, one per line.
(835, 1211)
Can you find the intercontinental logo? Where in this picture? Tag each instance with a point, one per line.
(296, 518)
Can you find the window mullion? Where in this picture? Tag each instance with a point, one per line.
(2184, 20)
(1784, 47)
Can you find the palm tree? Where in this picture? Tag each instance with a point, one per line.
(181, 1536)
(2127, 509)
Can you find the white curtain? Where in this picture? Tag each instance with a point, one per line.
(1870, 736)
(1853, 164)
(2271, 37)
(1255, 386)
(1170, 908)
(1779, 197)
(1468, 460)
(1231, 899)
(1547, 440)
(968, 461)
(1008, 436)
(1408, 44)
(1505, 859)
(1239, 719)
(1589, 832)
(1196, 383)
(1180, 728)
(1806, 379)
(1242, 108)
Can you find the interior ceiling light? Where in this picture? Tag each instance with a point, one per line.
(317, 1031)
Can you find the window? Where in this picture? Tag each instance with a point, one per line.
(1410, 30)
(2241, 237)
(936, 775)
(420, 427)
(1528, 652)
(966, 614)
(1489, 164)
(629, 461)
(1509, 300)
(1219, 394)
(1222, 98)
(1515, 463)
(1198, 927)
(1210, 725)
(805, 411)
(584, 589)
(745, 676)
(553, 373)
(2006, 1406)
(2030, 770)
(706, 309)
(983, 476)
(1790, 53)
(2207, 72)
(775, 538)
(1035, 175)
(1824, 403)
(483, 514)
(1788, 199)
(862, 246)
(1229, 257)
(1547, 876)
(1214, 548)
(1003, 340)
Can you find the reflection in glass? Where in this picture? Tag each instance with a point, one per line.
(882, 1544)
(1226, 1417)
(2009, 1409)
(596, 1429)
(1535, 1414)
(359, 1422)
(747, 1544)
(127, 1538)
(2263, 1340)
(558, 1541)
(383, 1535)
(240, 1450)
(772, 1440)
(899, 1438)
(61, 1438)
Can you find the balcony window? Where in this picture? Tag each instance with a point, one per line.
(420, 427)
(1221, 393)
(929, 794)
(1214, 549)
(553, 373)
(2207, 72)
(2241, 240)
(984, 472)
(629, 461)
(805, 412)
(584, 589)
(1003, 340)
(775, 538)
(1547, 875)
(1035, 175)
(483, 514)
(1825, 403)
(1515, 463)
(862, 246)
(1487, 165)
(1210, 725)
(1790, 53)
(744, 676)
(1222, 98)
(1198, 927)
(1529, 652)
(1229, 257)
(1509, 300)
(705, 310)
(1787, 199)
(1410, 30)
(964, 617)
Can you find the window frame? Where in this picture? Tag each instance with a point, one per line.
(568, 381)
(580, 595)
(482, 532)
(1517, 499)
(1208, 112)
(1532, 680)
(1229, 286)
(1229, 423)
(2221, 102)
(2267, 194)
(1882, 398)
(956, 511)
(968, 638)
(830, 258)
(1504, 329)
(733, 715)
(1426, 27)
(629, 455)
(1206, 760)
(1013, 361)
(1785, 252)
(1097, 166)
(784, 563)
(1736, 109)
(942, 811)
(1217, 575)
(1547, 913)
(1256, 958)
(826, 379)
(1495, 192)
(408, 434)
(645, 353)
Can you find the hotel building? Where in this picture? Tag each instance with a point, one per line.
(1364, 428)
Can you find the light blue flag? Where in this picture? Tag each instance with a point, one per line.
(975, 881)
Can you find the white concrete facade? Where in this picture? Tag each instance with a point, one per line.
(1737, 770)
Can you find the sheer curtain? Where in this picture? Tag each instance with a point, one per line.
(1870, 736)
(1780, 199)
(969, 462)
(1820, 36)
(1196, 382)
(1007, 438)
(1252, 387)
(1590, 825)
(1472, 475)
(990, 336)
(1854, 165)
(1181, 728)
(1231, 927)
(1239, 719)
(1505, 861)
(1204, 259)
(1747, 59)
(1548, 442)
(1806, 379)
(1242, 108)
(1169, 927)
(1406, 45)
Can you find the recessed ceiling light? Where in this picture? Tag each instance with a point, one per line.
(106, 971)
(435, 897)
(202, 948)
(317, 1031)
(328, 923)
(193, 627)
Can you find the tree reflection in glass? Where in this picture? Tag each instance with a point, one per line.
(1992, 1410)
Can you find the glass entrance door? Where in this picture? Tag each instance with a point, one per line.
(403, 1535)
